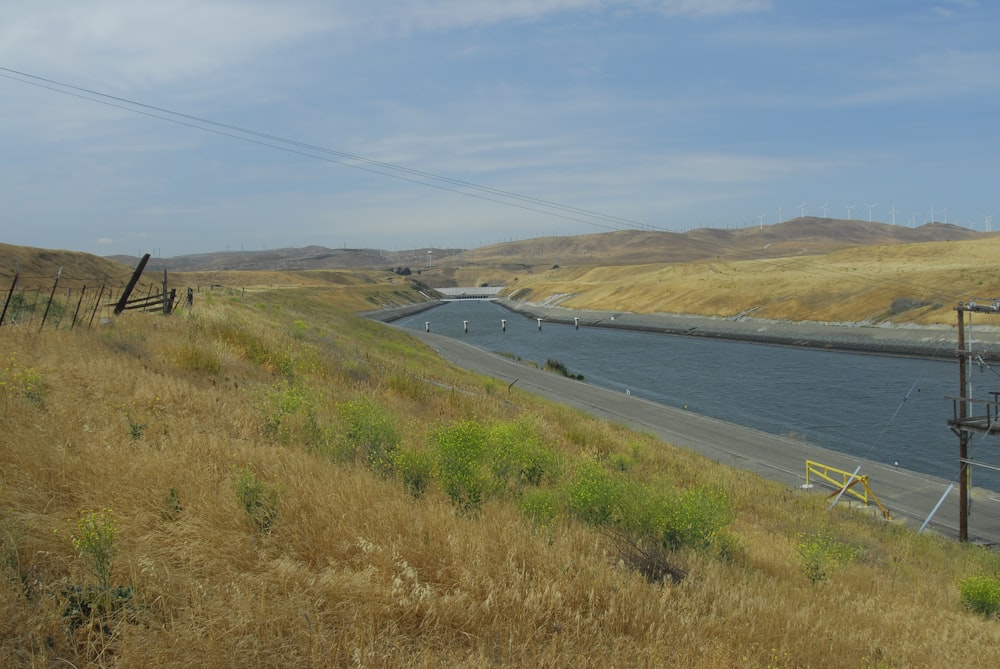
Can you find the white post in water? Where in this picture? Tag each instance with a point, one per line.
(539, 324)
(576, 322)
(465, 324)
(427, 326)
(503, 324)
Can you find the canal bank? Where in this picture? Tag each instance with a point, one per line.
(925, 341)
(908, 494)
(938, 342)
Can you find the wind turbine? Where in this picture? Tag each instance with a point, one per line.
(849, 207)
(944, 212)
(988, 223)
(760, 220)
(781, 214)
(932, 214)
(802, 209)
(870, 207)
(826, 206)
(893, 213)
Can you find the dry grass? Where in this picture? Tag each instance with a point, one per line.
(902, 283)
(357, 572)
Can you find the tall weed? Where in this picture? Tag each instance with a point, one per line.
(258, 498)
(370, 430)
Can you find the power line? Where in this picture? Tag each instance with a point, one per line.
(399, 172)
(421, 177)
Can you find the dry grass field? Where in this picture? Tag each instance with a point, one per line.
(900, 283)
(268, 480)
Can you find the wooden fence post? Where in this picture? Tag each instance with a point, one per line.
(76, 312)
(9, 296)
(97, 304)
(166, 295)
(51, 295)
(120, 307)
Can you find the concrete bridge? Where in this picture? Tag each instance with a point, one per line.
(470, 293)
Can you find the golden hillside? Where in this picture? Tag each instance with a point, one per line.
(900, 283)
(267, 480)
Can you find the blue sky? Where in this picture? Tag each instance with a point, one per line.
(398, 124)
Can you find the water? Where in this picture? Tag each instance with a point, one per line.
(888, 409)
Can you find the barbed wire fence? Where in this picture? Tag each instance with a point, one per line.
(63, 301)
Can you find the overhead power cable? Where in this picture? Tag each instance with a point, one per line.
(407, 174)
(421, 177)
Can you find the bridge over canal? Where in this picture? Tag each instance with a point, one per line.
(470, 292)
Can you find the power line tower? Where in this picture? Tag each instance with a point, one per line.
(970, 415)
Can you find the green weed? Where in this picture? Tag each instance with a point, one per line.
(415, 468)
(541, 506)
(460, 450)
(259, 499)
(820, 555)
(21, 381)
(518, 457)
(94, 542)
(981, 594)
(595, 495)
(370, 430)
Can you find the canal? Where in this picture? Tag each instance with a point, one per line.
(888, 409)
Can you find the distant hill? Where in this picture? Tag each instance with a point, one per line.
(38, 267)
(799, 236)
(305, 258)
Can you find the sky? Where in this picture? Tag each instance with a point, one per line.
(196, 126)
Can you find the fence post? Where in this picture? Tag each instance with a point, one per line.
(120, 307)
(166, 294)
(51, 295)
(76, 311)
(6, 303)
(97, 304)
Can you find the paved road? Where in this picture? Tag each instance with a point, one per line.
(908, 495)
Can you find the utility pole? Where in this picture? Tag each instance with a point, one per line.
(965, 421)
(963, 434)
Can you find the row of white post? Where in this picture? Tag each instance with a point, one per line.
(503, 325)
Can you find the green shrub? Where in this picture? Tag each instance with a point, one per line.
(553, 365)
(696, 518)
(661, 518)
(283, 399)
(518, 457)
(259, 499)
(541, 506)
(595, 495)
(370, 430)
(981, 594)
(820, 555)
(460, 449)
(415, 468)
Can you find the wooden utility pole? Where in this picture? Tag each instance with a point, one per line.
(963, 434)
(966, 420)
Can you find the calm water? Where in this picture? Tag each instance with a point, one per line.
(888, 409)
